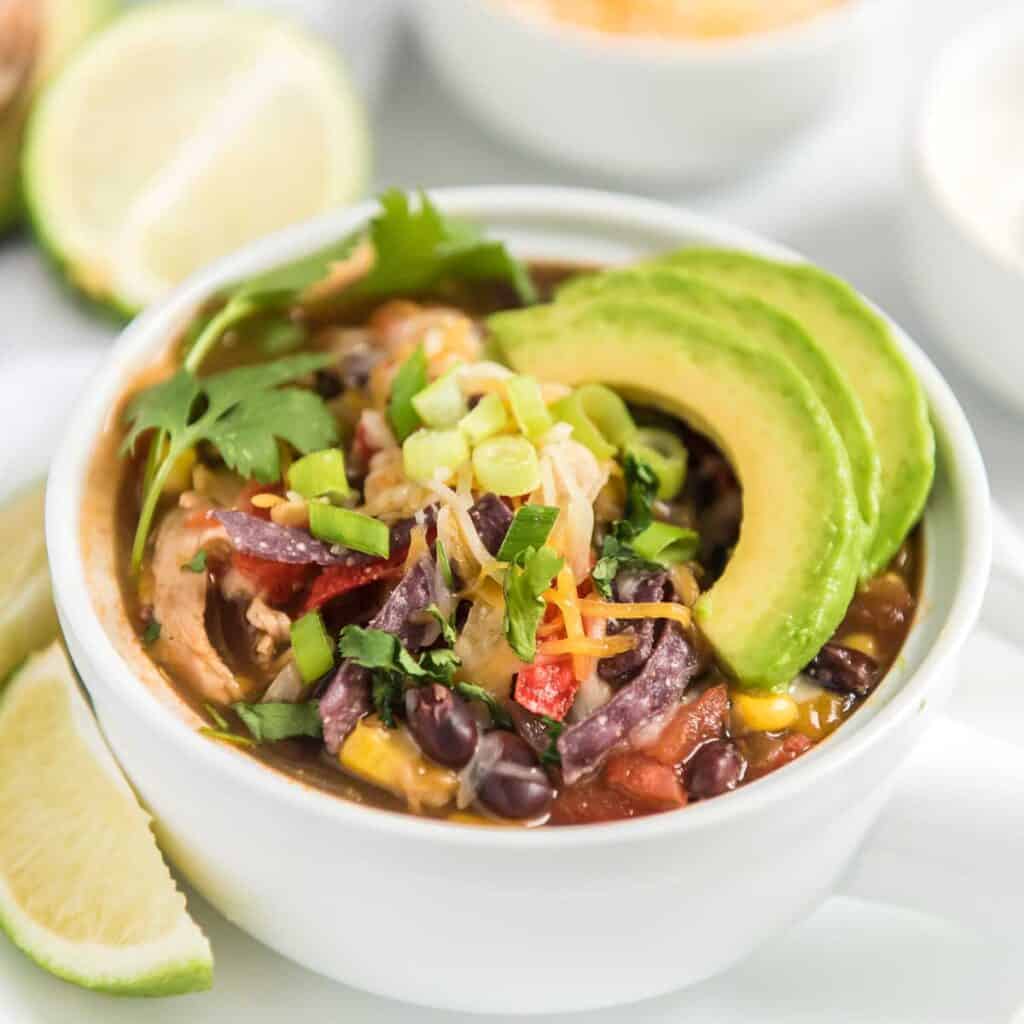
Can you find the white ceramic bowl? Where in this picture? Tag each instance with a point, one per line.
(632, 108)
(506, 919)
(965, 226)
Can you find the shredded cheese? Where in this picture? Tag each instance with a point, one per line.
(459, 506)
(584, 648)
(568, 604)
(626, 610)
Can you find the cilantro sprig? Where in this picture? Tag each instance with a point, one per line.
(277, 720)
(242, 412)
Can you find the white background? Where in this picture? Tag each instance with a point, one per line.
(837, 195)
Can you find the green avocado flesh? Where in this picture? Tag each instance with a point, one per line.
(764, 328)
(861, 347)
(795, 567)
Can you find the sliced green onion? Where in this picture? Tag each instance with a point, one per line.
(666, 544)
(599, 419)
(665, 454)
(350, 529)
(507, 465)
(319, 474)
(528, 408)
(442, 404)
(430, 454)
(487, 419)
(531, 527)
(410, 380)
(311, 646)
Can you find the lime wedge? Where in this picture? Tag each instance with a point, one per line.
(28, 620)
(62, 25)
(83, 888)
(186, 130)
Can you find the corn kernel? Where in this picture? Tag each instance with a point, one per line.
(770, 713)
(818, 717)
(266, 500)
(180, 477)
(863, 642)
(291, 513)
(389, 759)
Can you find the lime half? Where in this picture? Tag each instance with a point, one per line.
(28, 620)
(184, 131)
(62, 25)
(83, 888)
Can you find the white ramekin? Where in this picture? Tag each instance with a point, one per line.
(505, 919)
(965, 220)
(631, 108)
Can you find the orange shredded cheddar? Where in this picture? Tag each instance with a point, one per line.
(417, 547)
(652, 610)
(589, 648)
(567, 600)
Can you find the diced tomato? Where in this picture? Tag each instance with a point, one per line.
(781, 753)
(693, 724)
(648, 780)
(547, 687)
(200, 518)
(594, 801)
(336, 580)
(277, 582)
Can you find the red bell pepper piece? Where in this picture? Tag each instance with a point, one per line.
(340, 579)
(547, 687)
(277, 582)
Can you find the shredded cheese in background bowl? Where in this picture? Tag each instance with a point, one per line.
(677, 19)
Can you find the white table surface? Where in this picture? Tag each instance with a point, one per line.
(837, 196)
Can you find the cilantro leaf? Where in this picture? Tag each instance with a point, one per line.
(641, 490)
(386, 692)
(151, 633)
(554, 729)
(526, 578)
(447, 629)
(417, 250)
(197, 563)
(277, 720)
(382, 652)
(470, 691)
(239, 411)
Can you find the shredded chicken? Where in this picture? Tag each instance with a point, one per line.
(179, 605)
(272, 630)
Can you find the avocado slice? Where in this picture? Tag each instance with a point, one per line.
(860, 345)
(794, 569)
(765, 328)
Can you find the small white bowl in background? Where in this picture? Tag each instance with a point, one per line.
(965, 225)
(640, 108)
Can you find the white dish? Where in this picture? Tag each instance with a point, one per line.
(560, 911)
(965, 229)
(639, 108)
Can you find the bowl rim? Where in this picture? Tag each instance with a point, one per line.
(810, 33)
(148, 334)
(961, 62)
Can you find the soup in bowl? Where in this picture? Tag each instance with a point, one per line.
(426, 553)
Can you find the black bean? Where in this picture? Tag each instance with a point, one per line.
(327, 383)
(716, 768)
(442, 724)
(515, 785)
(845, 670)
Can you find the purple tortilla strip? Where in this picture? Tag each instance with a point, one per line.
(263, 539)
(492, 518)
(633, 587)
(660, 683)
(347, 697)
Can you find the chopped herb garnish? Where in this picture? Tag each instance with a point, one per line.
(531, 527)
(447, 629)
(386, 692)
(216, 717)
(554, 729)
(499, 716)
(151, 633)
(641, 490)
(242, 412)
(278, 720)
(526, 578)
(197, 563)
(446, 566)
(226, 737)
(410, 380)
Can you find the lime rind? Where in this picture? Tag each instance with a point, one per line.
(176, 961)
